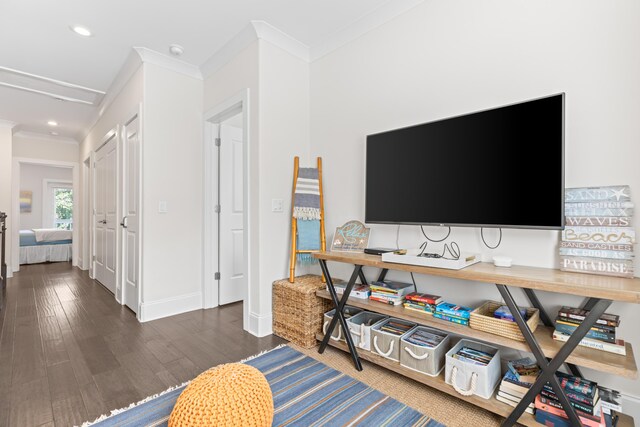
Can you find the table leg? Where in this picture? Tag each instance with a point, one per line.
(339, 313)
(549, 368)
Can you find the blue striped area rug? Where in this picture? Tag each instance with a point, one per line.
(305, 393)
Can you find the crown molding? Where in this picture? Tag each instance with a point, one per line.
(363, 25)
(44, 137)
(168, 62)
(230, 50)
(284, 41)
(7, 124)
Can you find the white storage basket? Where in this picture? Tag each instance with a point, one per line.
(385, 343)
(360, 327)
(337, 335)
(467, 378)
(427, 360)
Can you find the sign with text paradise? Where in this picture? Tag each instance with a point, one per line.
(598, 237)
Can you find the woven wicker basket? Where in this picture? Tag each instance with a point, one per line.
(483, 320)
(297, 311)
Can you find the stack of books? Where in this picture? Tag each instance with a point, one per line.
(423, 303)
(358, 291)
(396, 328)
(610, 401)
(389, 292)
(473, 356)
(453, 313)
(582, 394)
(424, 338)
(598, 237)
(602, 335)
(512, 390)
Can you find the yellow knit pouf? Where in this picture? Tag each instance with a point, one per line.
(233, 394)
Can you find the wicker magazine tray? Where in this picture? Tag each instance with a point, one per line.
(482, 319)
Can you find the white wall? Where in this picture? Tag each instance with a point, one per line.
(241, 73)
(6, 164)
(172, 172)
(449, 57)
(45, 148)
(31, 179)
(284, 134)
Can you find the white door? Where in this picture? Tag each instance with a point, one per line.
(130, 221)
(232, 283)
(105, 193)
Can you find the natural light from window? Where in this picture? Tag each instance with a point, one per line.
(63, 208)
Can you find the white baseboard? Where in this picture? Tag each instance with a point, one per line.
(170, 306)
(260, 326)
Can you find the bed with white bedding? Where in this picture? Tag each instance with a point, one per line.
(45, 245)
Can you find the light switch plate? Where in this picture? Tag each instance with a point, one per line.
(162, 206)
(277, 205)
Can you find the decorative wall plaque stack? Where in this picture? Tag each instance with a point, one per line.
(598, 237)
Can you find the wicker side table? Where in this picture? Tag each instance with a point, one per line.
(297, 311)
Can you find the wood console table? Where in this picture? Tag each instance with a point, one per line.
(601, 291)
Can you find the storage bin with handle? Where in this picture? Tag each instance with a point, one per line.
(337, 335)
(468, 378)
(360, 327)
(386, 343)
(423, 358)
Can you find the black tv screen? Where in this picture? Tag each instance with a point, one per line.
(502, 167)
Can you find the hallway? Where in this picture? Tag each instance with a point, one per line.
(69, 352)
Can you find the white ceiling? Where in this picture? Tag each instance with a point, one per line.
(35, 37)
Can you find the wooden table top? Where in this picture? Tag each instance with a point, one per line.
(544, 279)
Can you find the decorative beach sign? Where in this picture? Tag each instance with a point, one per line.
(25, 201)
(351, 237)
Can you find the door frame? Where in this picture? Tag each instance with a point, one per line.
(113, 133)
(137, 113)
(213, 117)
(15, 196)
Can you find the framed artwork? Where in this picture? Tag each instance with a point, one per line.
(351, 237)
(25, 201)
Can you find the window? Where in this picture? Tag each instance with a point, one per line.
(63, 208)
(57, 204)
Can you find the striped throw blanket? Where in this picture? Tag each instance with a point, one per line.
(306, 200)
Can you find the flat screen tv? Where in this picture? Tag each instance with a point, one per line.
(502, 167)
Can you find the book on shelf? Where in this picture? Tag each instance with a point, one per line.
(385, 300)
(578, 315)
(396, 328)
(597, 327)
(391, 287)
(593, 333)
(505, 398)
(581, 406)
(473, 356)
(504, 313)
(615, 235)
(511, 385)
(578, 385)
(547, 405)
(420, 308)
(449, 309)
(572, 395)
(598, 221)
(424, 298)
(617, 348)
(526, 370)
(452, 319)
(597, 253)
(597, 246)
(611, 400)
(598, 211)
(358, 291)
(617, 193)
(602, 266)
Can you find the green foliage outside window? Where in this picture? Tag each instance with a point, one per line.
(64, 208)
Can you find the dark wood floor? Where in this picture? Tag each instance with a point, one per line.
(69, 352)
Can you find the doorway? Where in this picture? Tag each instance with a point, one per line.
(45, 194)
(226, 251)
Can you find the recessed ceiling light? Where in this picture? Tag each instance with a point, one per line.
(81, 31)
(52, 123)
(176, 49)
